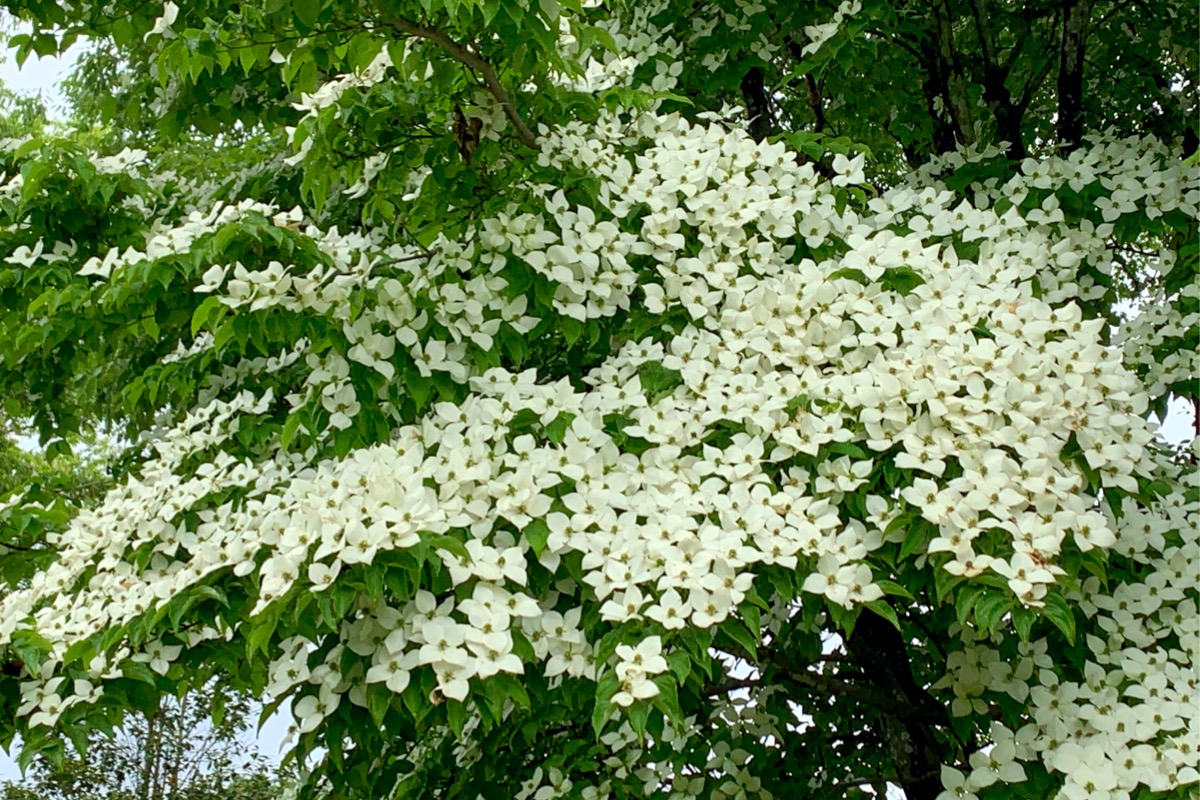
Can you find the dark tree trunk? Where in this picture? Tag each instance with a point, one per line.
(949, 74)
(879, 651)
(1076, 15)
(995, 91)
(758, 105)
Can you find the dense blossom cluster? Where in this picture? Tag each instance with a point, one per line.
(1131, 719)
(891, 347)
(835, 367)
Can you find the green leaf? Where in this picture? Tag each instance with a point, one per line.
(883, 609)
(990, 608)
(379, 699)
(1023, 619)
(31, 647)
(456, 717)
(557, 429)
(894, 589)
(537, 533)
(138, 671)
(260, 634)
(638, 713)
(680, 664)
(916, 539)
(606, 689)
(571, 329)
(740, 634)
(667, 699)
(1057, 611)
(288, 433)
(451, 545)
(964, 603)
(902, 280)
(752, 614)
(522, 647)
(203, 312)
(307, 12)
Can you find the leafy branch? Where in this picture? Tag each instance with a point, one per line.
(472, 61)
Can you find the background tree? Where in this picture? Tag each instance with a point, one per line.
(177, 753)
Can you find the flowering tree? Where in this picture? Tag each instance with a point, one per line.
(626, 400)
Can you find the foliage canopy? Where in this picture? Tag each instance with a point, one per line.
(596, 400)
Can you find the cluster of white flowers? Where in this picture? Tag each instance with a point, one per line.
(331, 91)
(1158, 323)
(802, 378)
(1134, 717)
(171, 240)
(26, 256)
(1139, 177)
(120, 162)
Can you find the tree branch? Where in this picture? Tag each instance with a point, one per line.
(1070, 73)
(995, 91)
(758, 105)
(953, 85)
(732, 685)
(460, 53)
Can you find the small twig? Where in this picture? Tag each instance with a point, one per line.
(732, 685)
(863, 782)
(460, 53)
(20, 548)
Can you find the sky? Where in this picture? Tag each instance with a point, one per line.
(43, 76)
(39, 76)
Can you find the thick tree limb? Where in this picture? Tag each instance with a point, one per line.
(864, 687)
(758, 105)
(949, 66)
(995, 90)
(879, 649)
(1070, 73)
(866, 693)
(473, 61)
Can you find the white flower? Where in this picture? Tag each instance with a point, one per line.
(25, 256)
(391, 669)
(671, 611)
(341, 401)
(162, 25)
(646, 658)
(158, 656)
(955, 785)
(311, 710)
(849, 171)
